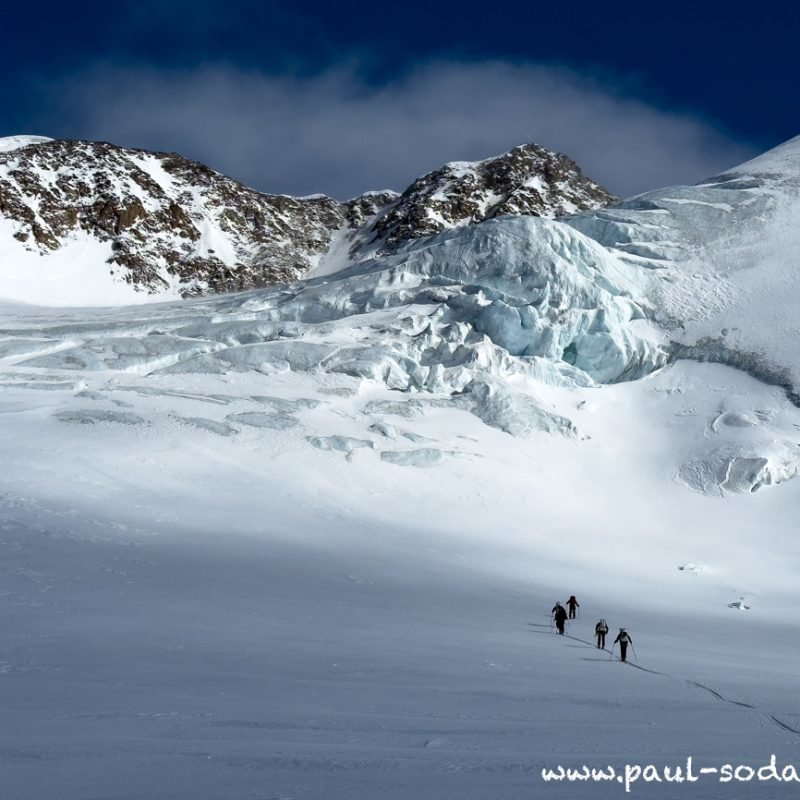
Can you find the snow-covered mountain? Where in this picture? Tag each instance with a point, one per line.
(490, 317)
(724, 260)
(155, 222)
(303, 541)
(719, 264)
(163, 226)
(529, 181)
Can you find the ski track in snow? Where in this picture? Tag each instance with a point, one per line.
(770, 718)
(783, 725)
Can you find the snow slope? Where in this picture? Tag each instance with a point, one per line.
(198, 602)
(9, 143)
(724, 262)
(75, 275)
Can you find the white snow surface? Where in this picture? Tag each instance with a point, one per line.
(77, 274)
(782, 162)
(724, 261)
(304, 542)
(200, 605)
(9, 143)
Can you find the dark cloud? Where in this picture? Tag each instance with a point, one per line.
(335, 133)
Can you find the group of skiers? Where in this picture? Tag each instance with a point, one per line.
(561, 615)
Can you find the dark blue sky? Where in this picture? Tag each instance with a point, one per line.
(732, 69)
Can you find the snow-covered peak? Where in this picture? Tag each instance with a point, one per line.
(783, 160)
(381, 193)
(154, 223)
(723, 258)
(528, 180)
(9, 143)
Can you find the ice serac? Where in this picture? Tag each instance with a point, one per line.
(723, 260)
(519, 298)
(128, 225)
(479, 318)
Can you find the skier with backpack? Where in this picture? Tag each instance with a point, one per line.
(573, 604)
(559, 617)
(624, 640)
(600, 631)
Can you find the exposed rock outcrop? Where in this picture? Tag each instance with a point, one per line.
(168, 221)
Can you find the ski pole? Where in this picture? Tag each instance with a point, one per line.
(633, 650)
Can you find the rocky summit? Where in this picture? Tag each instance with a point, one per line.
(169, 226)
(529, 180)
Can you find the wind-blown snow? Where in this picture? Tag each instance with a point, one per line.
(781, 163)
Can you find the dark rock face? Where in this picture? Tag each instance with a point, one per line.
(171, 221)
(164, 217)
(527, 180)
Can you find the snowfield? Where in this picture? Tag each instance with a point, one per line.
(304, 542)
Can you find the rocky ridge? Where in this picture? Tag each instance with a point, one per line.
(528, 180)
(167, 221)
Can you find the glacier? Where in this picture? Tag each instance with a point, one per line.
(488, 319)
(723, 258)
(723, 264)
(303, 541)
(478, 317)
